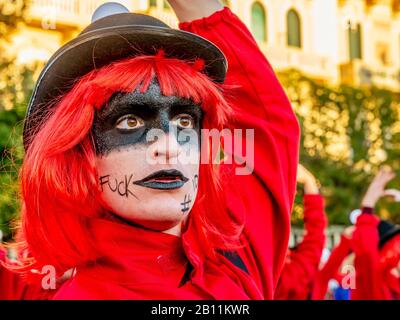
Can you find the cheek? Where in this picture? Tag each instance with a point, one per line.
(188, 194)
(121, 163)
(116, 173)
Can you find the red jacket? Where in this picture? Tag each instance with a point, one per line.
(142, 264)
(372, 282)
(331, 268)
(302, 263)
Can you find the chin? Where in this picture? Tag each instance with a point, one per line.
(158, 225)
(160, 217)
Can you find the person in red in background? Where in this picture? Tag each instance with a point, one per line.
(301, 266)
(14, 287)
(389, 245)
(330, 270)
(375, 244)
(164, 235)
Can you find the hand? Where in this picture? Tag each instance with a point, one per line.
(377, 187)
(394, 193)
(306, 178)
(189, 10)
(348, 232)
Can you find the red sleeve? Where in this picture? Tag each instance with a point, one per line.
(302, 263)
(366, 263)
(265, 197)
(14, 287)
(331, 267)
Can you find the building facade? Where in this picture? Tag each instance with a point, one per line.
(356, 42)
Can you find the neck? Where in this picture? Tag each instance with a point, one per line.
(175, 231)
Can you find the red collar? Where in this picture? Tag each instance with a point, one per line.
(154, 263)
(133, 255)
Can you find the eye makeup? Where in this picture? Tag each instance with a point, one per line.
(151, 110)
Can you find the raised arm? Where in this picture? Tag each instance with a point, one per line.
(365, 242)
(265, 197)
(331, 267)
(369, 282)
(302, 263)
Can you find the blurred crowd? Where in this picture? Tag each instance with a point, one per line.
(364, 265)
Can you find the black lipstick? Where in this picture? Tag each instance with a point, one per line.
(163, 180)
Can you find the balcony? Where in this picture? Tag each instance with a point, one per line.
(359, 73)
(394, 5)
(318, 67)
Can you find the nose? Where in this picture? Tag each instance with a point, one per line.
(165, 147)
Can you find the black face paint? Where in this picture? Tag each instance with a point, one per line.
(155, 109)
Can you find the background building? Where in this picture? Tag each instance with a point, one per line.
(356, 42)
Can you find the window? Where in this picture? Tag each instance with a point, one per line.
(293, 29)
(355, 42)
(258, 22)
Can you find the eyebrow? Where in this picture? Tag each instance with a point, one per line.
(128, 102)
(183, 107)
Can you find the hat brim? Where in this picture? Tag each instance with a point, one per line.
(98, 48)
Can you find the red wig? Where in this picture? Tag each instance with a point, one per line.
(60, 190)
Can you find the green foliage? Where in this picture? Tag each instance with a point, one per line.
(11, 149)
(11, 152)
(11, 14)
(347, 134)
(15, 88)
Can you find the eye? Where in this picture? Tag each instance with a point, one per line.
(184, 121)
(129, 122)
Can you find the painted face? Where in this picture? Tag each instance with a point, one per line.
(148, 154)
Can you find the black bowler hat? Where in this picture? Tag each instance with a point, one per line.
(387, 231)
(115, 34)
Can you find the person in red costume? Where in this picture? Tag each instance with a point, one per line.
(330, 270)
(375, 244)
(371, 243)
(302, 262)
(14, 287)
(131, 218)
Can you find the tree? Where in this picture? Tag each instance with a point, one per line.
(347, 134)
(15, 88)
